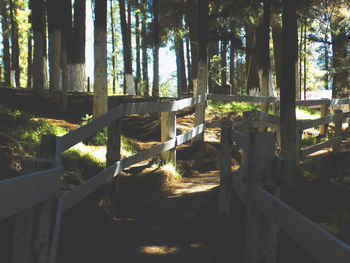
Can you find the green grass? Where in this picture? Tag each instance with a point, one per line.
(168, 168)
(236, 107)
(309, 111)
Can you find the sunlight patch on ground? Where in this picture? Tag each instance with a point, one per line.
(158, 250)
(98, 152)
(304, 115)
(193, 188)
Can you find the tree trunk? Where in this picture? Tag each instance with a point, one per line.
(113, 47)
(138, 51)
(40, 82)
(251, 67)
(223, 62)
(129, 85)
(305, 72)
(5, 42)
(288, 119)
(300, 57)
(276, 26)
(189, 66)
(100, 99)
(326, 66)
(180, 64)
(30, 52)
(15, 70)
(202, 74)
(76, 49)
(144, 49)
(232, 61)
(191, 16)
(213, 50)
(263, 55)
(54, 15)
(155, 88)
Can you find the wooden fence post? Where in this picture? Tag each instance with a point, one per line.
(259, 243)
(337, 128)
(168, 132)
(324, 113)
(246, 127)
(33, 227)
(225, 170)
(114, 143)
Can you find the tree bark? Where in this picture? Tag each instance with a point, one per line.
(180, 64)
(144, 49)
(30, 51)
(276, 25)
(223, 55)
(189, 65)
(16, 70)
(100, 99)
(288, 119)
(6, 42)
(155, 88)
(40, 82)
(251, 67)
(138, 47)
(54, 23)
(76, 49)
(113, 46)
(232, 61)
(129, 85)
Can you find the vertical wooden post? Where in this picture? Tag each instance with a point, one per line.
(225, 170)
(33, 227)
(168, 132)
(338, 127)
(324, 113)
(246, 127)
(299, 140)
(260, 168)
(114, 143)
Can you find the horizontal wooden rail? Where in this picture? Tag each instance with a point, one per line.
(184, 103)
(239, 186)
(253, 99)
(90, 129)
(306, 124)
(19, 193)
(182, 138)
(320, 146)
(312, 102)
(313, 238)
(265, 117)
(149, 107)
(56, 232)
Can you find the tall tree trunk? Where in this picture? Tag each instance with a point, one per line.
(54, 15)
(300, 57)
(276, 26)
(213, 50)
(263, 55)
(66, 28)
(189, 65)
(155, 88)
(138, 51)
(113, 46)
(40, 82)
(15, 70)
(305, 72)
(129, 85)
(223, 55)
(180, 66)
(144, 49)
(5, 42)
(202, 84)
(288, 82)
(76, 49)
(30, 51)
(326, 65)
(100, 99)
(232, 61)
(191, 16)
(251, 67)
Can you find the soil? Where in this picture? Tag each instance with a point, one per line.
(155, 219)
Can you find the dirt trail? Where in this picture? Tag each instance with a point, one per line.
(163, 227)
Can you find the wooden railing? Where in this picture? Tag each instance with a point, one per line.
(40, 188)
(260, 167)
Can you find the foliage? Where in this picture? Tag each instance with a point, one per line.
(100, 138)
(216, 69)
(234, 107)
(309, 111)
(168, 168)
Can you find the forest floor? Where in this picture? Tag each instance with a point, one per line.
(160, 220)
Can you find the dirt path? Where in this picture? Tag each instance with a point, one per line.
(163, 227)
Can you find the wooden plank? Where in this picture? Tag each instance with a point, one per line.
(184, 103)
(346, 115)
(312, 102)
(320, 146)
(182, 138)
(56, 233)
(306, 124)
(339, 101)
(77, 135)
(240, 139)
(314, 239)
(217, 124)
(228, 98)
(146, 154)
(148, 107)
(19, 193)
(71, 198)
(263, 116)
(168, 132)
